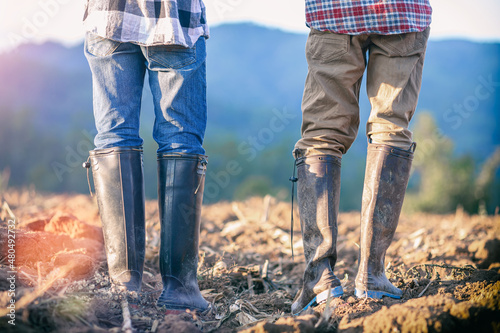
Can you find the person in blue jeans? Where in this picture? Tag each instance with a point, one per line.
(165, 38)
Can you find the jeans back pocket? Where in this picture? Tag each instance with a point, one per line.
(163, 57)
(100, 46)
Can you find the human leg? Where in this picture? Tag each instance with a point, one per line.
(386, 178)
(330, 111)
(318, 193)
(393, 84)
(329, 126)
(118, 71)
(393, 80)
(117, 75)
(177, 81)
(181, 179)
(119, 185)
(177, 78)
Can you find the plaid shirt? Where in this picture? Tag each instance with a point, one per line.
(147, 22)
(368, 16)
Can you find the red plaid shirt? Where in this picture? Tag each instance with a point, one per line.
(368, 16)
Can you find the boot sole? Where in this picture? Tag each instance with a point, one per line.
(322, 297)
(179, 307)
(374, 294)
(170, 307)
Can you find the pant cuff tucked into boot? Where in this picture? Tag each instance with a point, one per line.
(181, 179)
(318, 192)
(119, 185)
(386, 178)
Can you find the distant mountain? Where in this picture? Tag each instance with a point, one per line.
(461, 87)
(254, 74)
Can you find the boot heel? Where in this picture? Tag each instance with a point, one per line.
(335, 292)
(322, 298)
(374, 294)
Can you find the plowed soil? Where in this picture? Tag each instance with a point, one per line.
(447, 265)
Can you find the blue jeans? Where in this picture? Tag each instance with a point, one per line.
(177, 79)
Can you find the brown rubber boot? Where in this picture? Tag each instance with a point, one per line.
(181, 179)
(119, 185)
(386, 178)
(318, 191)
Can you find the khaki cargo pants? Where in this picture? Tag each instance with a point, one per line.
(330, 105)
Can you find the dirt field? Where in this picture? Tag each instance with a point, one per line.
(448, 267)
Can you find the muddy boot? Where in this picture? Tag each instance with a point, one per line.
(119, 186)
(318, 191)
(386, 178)
(181, 179)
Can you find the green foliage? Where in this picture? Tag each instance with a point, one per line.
(444, 181)
(238, 169)
(48, 158)
(253, 186)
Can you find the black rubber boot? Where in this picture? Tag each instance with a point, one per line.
(119, 185)
(386, 178)
(181, 179)
(318, 192)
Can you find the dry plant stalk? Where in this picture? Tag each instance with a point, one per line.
(127, 321)
(155, 325)
(267, 205)
(7, 212)
(41, 289)
(250, 283)
(237, 211)
(425, 289)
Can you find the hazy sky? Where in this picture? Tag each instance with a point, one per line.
(60, 20)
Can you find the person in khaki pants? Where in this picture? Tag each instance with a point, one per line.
(387, 40)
